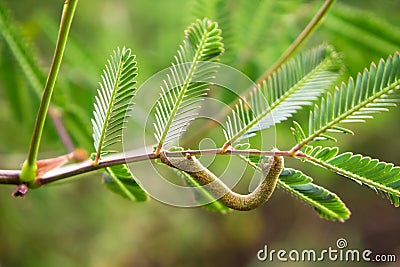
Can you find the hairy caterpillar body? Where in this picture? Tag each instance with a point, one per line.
(192, 166)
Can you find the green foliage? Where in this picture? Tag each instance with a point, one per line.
(364, 29)
(113, 100)
(378, 175)
(25, 56)
(372, 92)
(202, 196)
(297, 83)
(21, 50)
(120, 180)
(215, 10)
(220, 12)
(95, 224)
(327, 204)
(187, 82)
(14, 85)
(18, 91)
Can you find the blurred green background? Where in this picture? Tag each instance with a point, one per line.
(80, 223)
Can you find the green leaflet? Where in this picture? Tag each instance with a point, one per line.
(24, 55)
(15, 88)
(202, 196)
(113, 100)
(19, 93)
(327, 204)
(363, 28)
(252, 29)
(372, 92)
(22, 52)
(295, 84)
(221, 12)
(378, 175)
(188, 81)
(120, 180)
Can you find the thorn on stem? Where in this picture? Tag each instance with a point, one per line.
(46, 165)
(78, 155)
(20, 191)
(225, 147)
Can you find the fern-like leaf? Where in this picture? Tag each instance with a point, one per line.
(220, 11)
(378, 175)
(327, 204)
(252, 27)
(364, 28)
(297, 83)
(187, 81)
(372, 92)
(113, 100)
(24, 55)
(120, 180)
(22, 51)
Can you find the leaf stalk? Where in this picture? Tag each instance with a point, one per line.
(29, 167)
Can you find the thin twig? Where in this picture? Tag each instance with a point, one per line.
(9, 176)
(56, 117)
(311, 26)
(67, 171)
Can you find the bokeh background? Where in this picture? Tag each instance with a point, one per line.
(80, 223)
